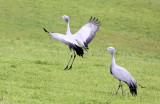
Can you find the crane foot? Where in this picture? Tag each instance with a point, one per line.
(66, 67)
(70, 67)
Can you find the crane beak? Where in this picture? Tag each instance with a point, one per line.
(61, 18)
(107, 49)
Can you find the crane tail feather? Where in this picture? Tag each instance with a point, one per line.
(78, 50)
(133, 91)
(133, 88)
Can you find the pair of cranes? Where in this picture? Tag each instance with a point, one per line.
(84, 36)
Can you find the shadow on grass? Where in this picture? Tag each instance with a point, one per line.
(42, 62)
(94, 102)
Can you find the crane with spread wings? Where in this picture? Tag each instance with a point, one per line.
(84, 36)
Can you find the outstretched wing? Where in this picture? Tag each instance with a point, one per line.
(62, 38)
(85, 35)
(68, 41)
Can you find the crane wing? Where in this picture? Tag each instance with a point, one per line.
(121, 74)
(85, 35)
(68, 41)
(62, 38)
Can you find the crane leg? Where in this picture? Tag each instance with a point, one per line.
(118, 87)
(121, 87)
(69, 60)
(73, 60)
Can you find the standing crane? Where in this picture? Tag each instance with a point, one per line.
(84, 36)
(122, 75)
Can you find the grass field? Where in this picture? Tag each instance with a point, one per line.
(31, 64)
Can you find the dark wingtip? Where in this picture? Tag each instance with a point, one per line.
(90, 19)
(45, 30)
(95, 21)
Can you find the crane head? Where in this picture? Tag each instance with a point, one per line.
(111, 50)
(66, 18)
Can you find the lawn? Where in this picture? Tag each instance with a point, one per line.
(31, 64)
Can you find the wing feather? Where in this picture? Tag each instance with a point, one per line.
(85, 35)
(63, 38)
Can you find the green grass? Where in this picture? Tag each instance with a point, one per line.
(31, 64)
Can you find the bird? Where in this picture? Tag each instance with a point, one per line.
(122, 74)
(78, 41)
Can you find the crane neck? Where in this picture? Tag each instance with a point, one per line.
(68, 32)
(113, 59)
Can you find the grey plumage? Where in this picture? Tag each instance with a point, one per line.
(122, 74)
(84, 36)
